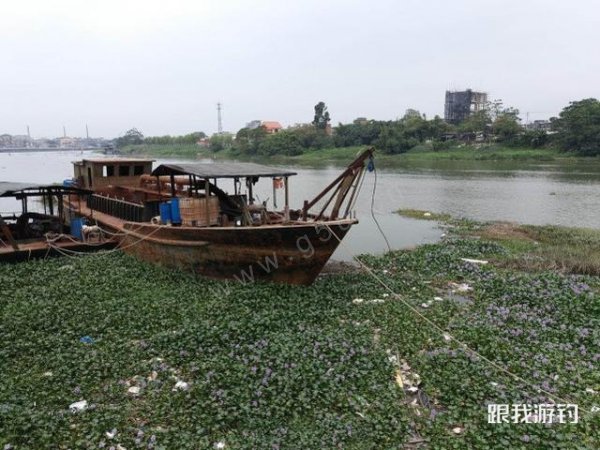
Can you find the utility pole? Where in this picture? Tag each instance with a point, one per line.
(64, 131)
(219, 119)
(87, 133)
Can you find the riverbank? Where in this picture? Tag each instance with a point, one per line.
(163, 359)
(342, 155)
(533, 247)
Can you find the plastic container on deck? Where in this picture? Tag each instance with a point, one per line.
(77, 227)
(175, 211)
(165, 213)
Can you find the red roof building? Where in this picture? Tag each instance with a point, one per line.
(271, 126)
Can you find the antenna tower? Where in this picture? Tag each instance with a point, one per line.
(219, 118)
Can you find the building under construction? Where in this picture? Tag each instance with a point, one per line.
(461, 104)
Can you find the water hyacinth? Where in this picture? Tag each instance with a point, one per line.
(269, 355)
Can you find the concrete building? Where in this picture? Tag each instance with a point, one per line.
(540, 125)
(253, 124)
(461, 104)
(270, 126)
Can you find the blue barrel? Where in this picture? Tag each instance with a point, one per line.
(77, 227)
(69, 182)
(175, 212)
(165, 212)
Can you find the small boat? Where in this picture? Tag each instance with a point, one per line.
(41, 228)
(180, 216)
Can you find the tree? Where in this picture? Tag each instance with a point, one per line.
(220, 142)
(479, 121)
(506, 125)
(578, 127)
(247, 140)
(394, 139)
(131, 137)
(282, 143)
(322, 118)
(360, 132)
(311, 137)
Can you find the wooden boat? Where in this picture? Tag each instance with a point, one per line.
(177, 216)
(41, 229)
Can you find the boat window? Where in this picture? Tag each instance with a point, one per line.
(108, 171)
(138, 170)
(123, 171)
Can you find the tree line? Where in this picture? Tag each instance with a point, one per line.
(576, 129)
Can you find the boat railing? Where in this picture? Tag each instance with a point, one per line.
(117, 208)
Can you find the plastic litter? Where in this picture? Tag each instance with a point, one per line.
(474, 261)
(457, 430)
(461, 287)
(111, 434)
(134, 390)
(399, 379)
(78, 406)
(86, 340)
(181, 386)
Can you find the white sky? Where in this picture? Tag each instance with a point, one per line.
(162, 66)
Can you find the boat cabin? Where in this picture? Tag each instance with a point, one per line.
(100, 173)
(130, 190)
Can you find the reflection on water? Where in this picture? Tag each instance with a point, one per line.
(528, 192)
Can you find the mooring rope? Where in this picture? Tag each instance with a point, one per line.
(373, 212)
(119, 247)
(446, 334)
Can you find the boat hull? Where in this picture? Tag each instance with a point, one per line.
(291, 253)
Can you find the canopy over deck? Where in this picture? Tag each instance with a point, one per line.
(222, 170)
(12, 189)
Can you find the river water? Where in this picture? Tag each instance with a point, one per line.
(565, 193)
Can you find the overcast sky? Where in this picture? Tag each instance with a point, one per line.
(162, 66)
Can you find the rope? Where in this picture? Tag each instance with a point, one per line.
(445, 334)
(119, 247)
(50, 238)
(373, 213)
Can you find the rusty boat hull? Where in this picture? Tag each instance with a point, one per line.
(284, 253)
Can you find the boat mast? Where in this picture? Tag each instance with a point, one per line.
(340, 186)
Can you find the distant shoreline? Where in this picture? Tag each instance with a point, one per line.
(48, 149)
(341, 155)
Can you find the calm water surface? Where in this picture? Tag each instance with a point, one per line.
(535, 193)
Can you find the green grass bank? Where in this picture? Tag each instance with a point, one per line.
(423, 153)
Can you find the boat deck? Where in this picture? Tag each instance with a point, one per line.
(41, 249)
